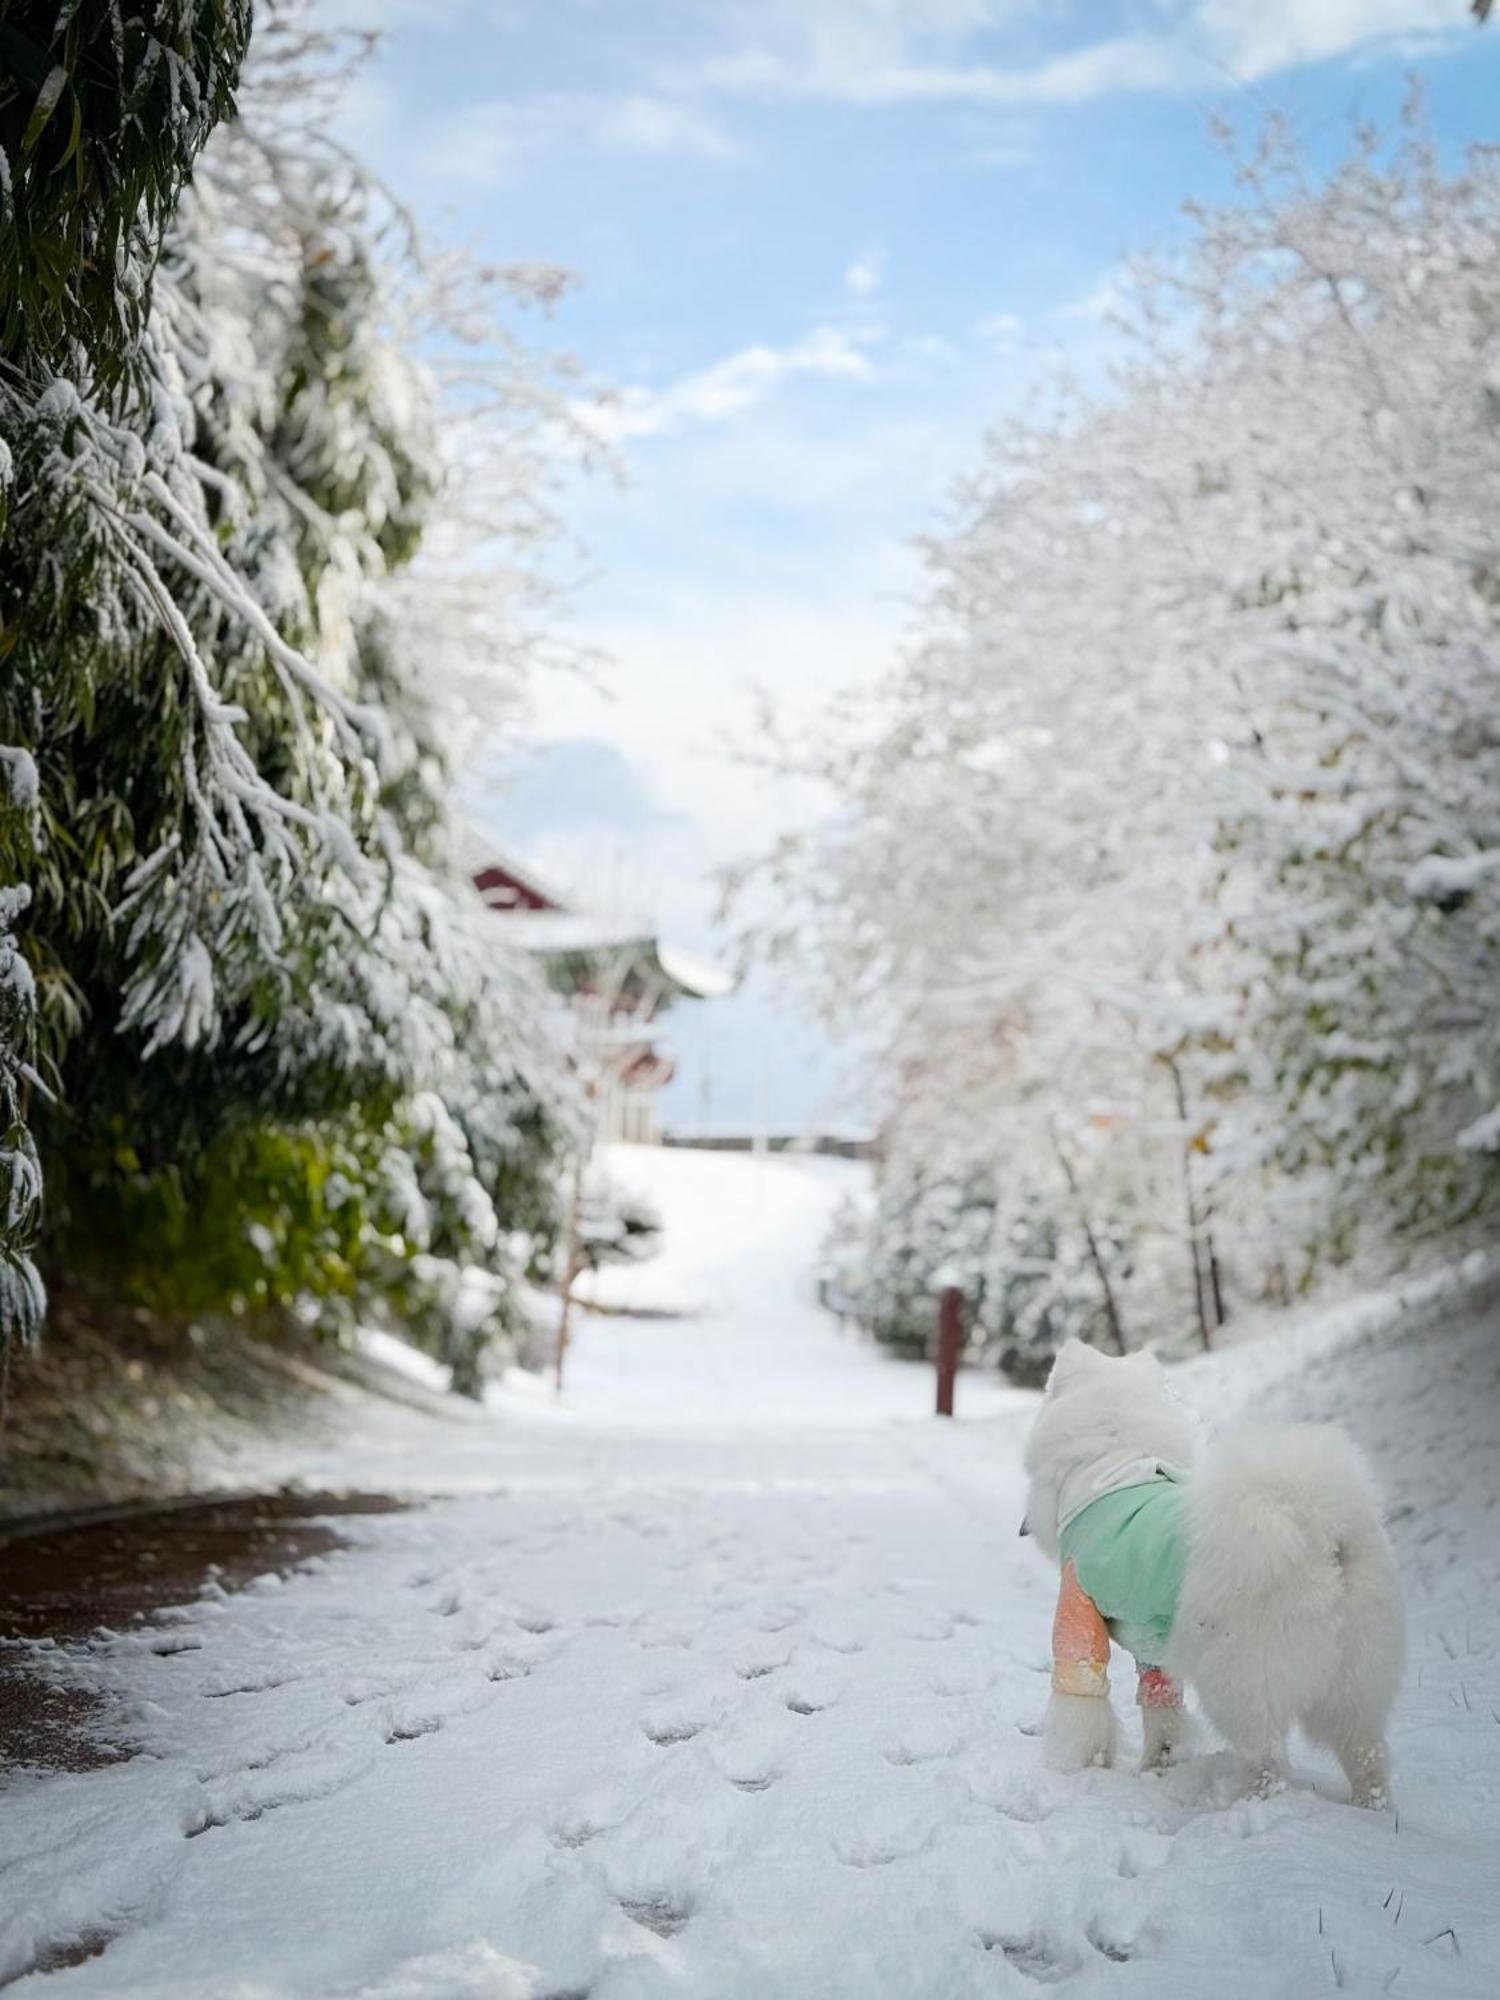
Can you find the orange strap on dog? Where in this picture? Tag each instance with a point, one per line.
(1080, 1641)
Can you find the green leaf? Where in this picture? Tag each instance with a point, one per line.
(46, 103)
(75, 135)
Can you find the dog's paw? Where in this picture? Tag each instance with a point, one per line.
(1079, 1732)
(1269, 1781)
(1168, 1736)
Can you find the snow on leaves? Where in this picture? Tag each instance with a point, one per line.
(229, 780)
(1169, 856)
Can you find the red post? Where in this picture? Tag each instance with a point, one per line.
(950, 1340)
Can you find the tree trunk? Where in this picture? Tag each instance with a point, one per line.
(1208, 1290)
(572, 1264)
(1111, 1306)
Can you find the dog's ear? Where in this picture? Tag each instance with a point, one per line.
(1074, 1357)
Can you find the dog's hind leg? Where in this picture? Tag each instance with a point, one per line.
(1367, 1769)
(1358, 1741)
(1249, 1722)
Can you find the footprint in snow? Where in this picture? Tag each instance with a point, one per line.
(167, 1645)
(927, 1625)
(1141, 1853)
(812, 1690)
(752, 1759)
(778, 1617)
(1031, 1957)
(506, 1665)
(1108, 1944)
(407, 1728)
(664, 1914)
(756, 1658)
(295, 1779)
(679, 1635)
(837, 1634)
(1014, 1795)
(670, 1722)
(881, 1835)
(529, 1619)
(924, 1742)
(962, 1678)
(584, 1820)
(218, 1688)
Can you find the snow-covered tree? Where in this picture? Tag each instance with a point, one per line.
(291, 1056)
(102, 113)
(1361, 843)
(100, 120)
(1177, 826)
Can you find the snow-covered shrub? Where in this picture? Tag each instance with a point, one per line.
(844, 1260)
(1028, 1275)
(617, 1224)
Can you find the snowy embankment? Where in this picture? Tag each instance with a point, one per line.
(732, 1707)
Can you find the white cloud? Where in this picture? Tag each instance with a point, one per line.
(832, 38)
(931, 349)
(487, 143)
(911, 52)
(1127, 62)
(1106, 300)
(731, 386)
(484, 144)
(1255, 40)
(866, 274)
(1003, 154)
(1004, 328)
(664, 125)
(679, 704)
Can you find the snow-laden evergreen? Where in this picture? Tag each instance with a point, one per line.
(272, 1007)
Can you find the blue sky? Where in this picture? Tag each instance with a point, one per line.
(821, 244)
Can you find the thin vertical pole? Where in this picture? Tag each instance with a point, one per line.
(572, 1266)
(950, 1340)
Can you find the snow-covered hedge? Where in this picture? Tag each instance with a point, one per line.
(1024, 1265)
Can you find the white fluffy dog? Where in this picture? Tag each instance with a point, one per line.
(1286, 1602)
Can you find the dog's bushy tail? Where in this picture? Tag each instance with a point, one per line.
(1290, 1610)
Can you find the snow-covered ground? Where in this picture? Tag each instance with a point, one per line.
(730, 1328)
(723, 1683)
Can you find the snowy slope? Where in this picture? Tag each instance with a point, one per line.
(739, 1708)
(729, 1328)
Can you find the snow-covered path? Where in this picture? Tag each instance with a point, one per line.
(737, 1708)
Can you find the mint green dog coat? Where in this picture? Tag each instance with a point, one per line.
(1127, 1549)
